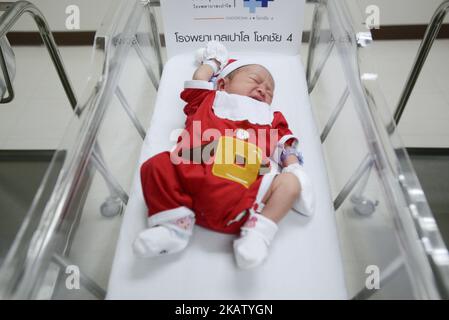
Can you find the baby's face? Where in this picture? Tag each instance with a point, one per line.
(253, 81)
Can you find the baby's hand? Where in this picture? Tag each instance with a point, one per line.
(215, 51)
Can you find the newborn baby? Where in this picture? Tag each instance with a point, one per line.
(223, 172)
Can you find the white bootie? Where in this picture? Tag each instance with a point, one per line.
(168, 232)
(305, 204)
(251, 248)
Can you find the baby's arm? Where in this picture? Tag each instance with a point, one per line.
(205, 71)
(290, 155)
(292, 162)
(291, 159)
(211, 59)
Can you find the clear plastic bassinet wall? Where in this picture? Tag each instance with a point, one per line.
(390, 244)
(65, 245)
(385, 225)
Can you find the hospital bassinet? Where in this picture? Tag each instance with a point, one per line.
(372, 214)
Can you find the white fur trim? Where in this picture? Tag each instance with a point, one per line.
(267, 180)
(238, 218)
(169, 215)
(198, 84)
(287, 137)
(237, 108)
(235, 65)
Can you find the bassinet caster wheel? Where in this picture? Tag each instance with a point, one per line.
(364, 206)
(111, 207)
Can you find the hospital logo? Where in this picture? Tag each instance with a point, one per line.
(253, 4)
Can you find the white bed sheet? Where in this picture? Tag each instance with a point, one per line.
(304, 260)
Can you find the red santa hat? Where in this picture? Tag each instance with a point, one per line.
(234, 64)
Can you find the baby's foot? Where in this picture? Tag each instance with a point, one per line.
(251, 248)
(166, 234)
(159, 240)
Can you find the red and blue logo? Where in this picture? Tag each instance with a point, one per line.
(253, 4)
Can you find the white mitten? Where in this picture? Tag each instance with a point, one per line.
(168, 232)
(251, 248)
(305, 204)
(213, 50)
(199, 56)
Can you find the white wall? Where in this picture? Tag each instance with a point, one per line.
(392, 12)
(91, 14)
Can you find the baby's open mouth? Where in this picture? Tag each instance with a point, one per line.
(258, 98)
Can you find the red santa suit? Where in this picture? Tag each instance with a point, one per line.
(220, 166)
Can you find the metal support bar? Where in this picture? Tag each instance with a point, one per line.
(156, 39)
(349, 186)
(85, 281)
(424, 49)
(113, 186)
(154, 3)
(314, 39)
(385, 276)
(7, 78)
(147, 66)
(320, 67)
(130, 112)
(9, 19)
(334, 115)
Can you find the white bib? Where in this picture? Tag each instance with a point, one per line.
(237, 108)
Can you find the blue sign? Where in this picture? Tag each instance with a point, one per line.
(253, 4)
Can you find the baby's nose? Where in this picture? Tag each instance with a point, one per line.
(261, 91)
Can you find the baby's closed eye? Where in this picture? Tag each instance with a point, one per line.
(255, 78)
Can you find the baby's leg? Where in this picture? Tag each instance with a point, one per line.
(170, 222)
(251, 248)
(281, 195)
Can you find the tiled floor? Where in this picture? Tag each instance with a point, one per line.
(38, 117)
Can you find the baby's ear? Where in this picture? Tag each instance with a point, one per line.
(221, 84)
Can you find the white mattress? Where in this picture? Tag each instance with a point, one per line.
(304, 260)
